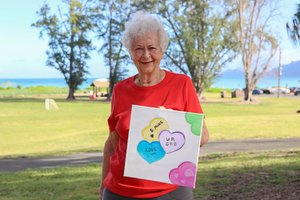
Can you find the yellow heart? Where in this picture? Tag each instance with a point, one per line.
(156, 125)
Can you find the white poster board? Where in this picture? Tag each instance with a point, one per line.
(163, 145)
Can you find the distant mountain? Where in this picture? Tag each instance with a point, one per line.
(291, 70)
(232, 73)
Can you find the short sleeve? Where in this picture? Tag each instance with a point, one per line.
(112, 118)
(191, 98)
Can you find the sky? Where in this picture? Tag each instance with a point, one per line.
(23, 53)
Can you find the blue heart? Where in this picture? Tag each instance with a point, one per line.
(151, 152)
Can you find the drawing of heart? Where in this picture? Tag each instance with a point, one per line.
(196, 122)
(184, 175)
(151, 152)
(171, 142)
(156, 125)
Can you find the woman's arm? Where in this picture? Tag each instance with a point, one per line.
(205, 135)
(109, 148)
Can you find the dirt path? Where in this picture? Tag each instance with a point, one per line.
(254, 145)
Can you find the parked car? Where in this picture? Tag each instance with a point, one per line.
(292, 89)
(297, 91)
(266, 91)
(257, 91)
(275, 90)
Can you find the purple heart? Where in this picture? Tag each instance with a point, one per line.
(171, 142)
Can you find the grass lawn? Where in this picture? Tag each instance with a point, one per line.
(268, 118)
(32, 91)
(267, 175)
(27, 129)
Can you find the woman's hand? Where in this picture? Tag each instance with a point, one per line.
(114, 139)
(162, 107)
(205, 135)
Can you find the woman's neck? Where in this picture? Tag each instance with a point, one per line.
(150, 79)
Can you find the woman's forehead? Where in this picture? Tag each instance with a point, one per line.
(146, 38)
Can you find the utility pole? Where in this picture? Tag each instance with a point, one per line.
(279, 74)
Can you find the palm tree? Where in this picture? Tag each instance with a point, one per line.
(294, 29)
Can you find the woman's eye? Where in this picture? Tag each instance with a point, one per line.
(139, 50)
(152, 49)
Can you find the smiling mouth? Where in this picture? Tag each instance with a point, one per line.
(147, 62)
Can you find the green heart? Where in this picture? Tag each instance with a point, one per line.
(196, 122)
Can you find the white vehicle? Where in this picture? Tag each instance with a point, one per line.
(297, 91)
(274, 90)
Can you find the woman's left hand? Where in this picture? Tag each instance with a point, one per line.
(205, 135)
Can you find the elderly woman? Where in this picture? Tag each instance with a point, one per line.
(146, 40)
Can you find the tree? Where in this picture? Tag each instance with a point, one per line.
(111, 25)
(258, 45)
(69, 44)
(202, 39)
(294, 30)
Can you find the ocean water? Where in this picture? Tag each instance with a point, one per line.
(55, 82)
(228, 83)
(267, 82)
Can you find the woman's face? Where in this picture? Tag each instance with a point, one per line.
(146, 53)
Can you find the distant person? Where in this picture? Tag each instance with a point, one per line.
(146, 40)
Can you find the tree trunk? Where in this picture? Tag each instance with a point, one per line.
(110, 91)
(199, 92)
(248, 92)
(71, 94)
(111, 82)
(199, 88)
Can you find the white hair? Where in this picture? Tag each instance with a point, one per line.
(140, 23)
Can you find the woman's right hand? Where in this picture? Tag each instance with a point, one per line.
(114, 139)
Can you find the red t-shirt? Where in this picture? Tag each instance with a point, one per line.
(175, 92)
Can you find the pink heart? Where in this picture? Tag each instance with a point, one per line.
(171, 142)
(189, 173)
(184, 175)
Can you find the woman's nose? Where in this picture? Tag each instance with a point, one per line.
(146, 53)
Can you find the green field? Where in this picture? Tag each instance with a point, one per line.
(221, 176)
(27, 129)
(32, 91)
(268, 118)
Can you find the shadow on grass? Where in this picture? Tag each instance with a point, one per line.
(273, 175)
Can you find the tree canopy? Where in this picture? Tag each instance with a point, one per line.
(205, 35)
(202, 39)
(111, 24)
(69, 42)
(293, 30)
